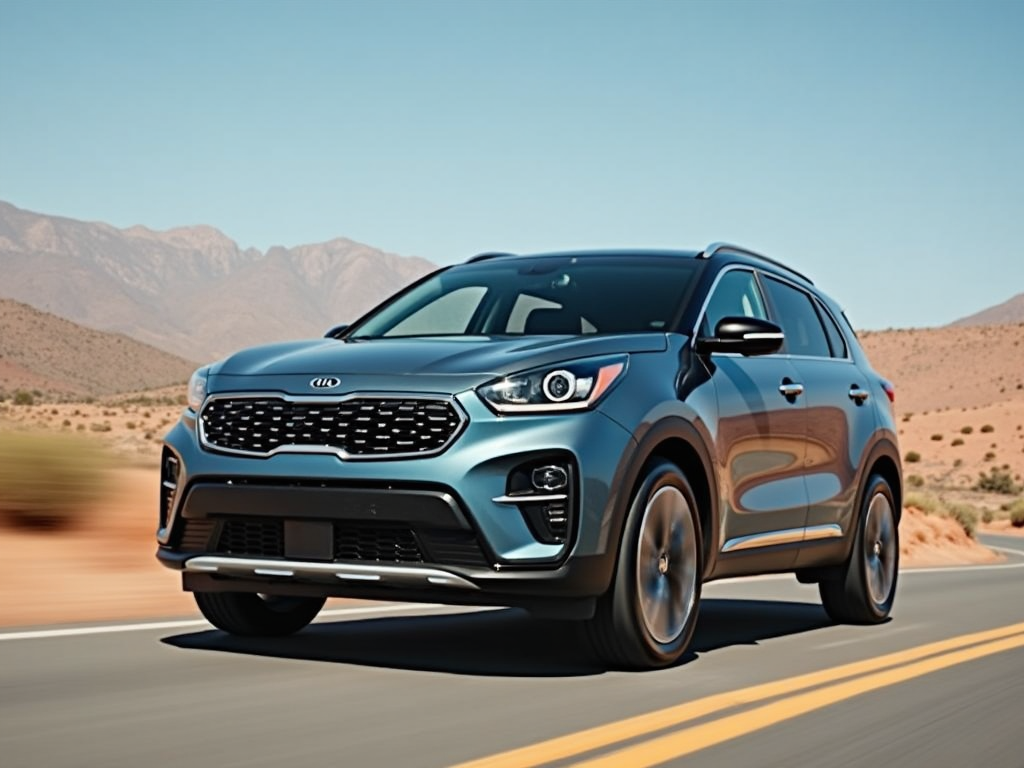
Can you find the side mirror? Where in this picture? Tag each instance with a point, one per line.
(746, 335)
(336, 331)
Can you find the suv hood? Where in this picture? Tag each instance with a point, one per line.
(486, 357)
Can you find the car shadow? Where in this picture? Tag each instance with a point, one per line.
(507, 642)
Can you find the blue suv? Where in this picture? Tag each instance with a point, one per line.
(587, 435)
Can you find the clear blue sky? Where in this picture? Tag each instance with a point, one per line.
(878, 146)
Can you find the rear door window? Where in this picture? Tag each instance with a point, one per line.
(804, 332)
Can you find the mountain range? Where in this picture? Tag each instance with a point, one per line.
(191, 291)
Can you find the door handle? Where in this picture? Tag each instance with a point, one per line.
(791, 389)
(858, 395)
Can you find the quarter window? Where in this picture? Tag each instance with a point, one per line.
(835, 336)
(799, 320)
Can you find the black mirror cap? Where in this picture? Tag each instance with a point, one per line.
(747, 335)
(336, 331)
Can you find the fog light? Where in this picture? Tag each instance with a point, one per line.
(550, 477)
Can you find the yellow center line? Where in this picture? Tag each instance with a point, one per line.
(697, 737)
(590, 739)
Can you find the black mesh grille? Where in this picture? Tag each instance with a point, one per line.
(353, 541)
(358, 426)
(454, 548)
(195, 535)
(377, 543)
(262, 538)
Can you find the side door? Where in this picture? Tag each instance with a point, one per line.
(759, 439)
(839, 421)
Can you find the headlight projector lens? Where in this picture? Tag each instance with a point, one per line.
(559, 386)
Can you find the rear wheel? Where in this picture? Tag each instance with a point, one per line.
(255, 615)
(865, 588)
(647, 617)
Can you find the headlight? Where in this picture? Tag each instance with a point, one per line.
(567, 387)
(197, 389)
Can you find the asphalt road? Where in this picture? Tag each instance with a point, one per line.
(769, 682)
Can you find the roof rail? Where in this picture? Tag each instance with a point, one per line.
(488, 255)
(715, 248)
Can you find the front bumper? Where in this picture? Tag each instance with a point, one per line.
(473, 545)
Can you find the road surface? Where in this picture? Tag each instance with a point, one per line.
(770, 681)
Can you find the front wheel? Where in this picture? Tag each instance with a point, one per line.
(864, 590)
(255, 615)
(648, 615)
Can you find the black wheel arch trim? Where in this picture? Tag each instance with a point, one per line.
(630, 474)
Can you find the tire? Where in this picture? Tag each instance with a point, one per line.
(647, 617)
(865, 587)
(252, 615)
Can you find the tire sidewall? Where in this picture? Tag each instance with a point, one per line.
(876, 484)
(628, 610)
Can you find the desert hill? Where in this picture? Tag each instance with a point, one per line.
(191, 290)
(40, 351)
(1010, 311)
(959, 400)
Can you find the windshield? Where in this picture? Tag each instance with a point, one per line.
(540, 296)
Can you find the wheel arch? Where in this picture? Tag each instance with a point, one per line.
(679, 442)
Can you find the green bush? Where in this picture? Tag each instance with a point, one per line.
(996, 481)
(24, 397)
(987, 516)
(915, 481)
(912, 457)
(47, 479)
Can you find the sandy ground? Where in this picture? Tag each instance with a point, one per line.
(106, 570)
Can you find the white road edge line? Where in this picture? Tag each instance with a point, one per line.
(185, 623)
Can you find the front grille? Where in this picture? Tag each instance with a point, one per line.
(255, 538)
(376, 543)
(357, 427)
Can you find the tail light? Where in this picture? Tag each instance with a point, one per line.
(890, 390)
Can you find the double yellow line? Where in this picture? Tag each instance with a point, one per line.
(793, 697)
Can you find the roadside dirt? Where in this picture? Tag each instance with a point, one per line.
(106, 569)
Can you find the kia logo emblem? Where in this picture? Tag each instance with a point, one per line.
(325, 382)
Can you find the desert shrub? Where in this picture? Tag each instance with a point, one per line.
(915, 481)
(966, 430)
(1017, 514)
(957, 441)
(989, 456)
(130, 425)
(66, 423)
(912, 457)
(97, 427)
(988, 428)
(937, 437)
(996, 480)
(23, 397)
(46, 479)
(927, 504)
(964, 514)
(987, 516)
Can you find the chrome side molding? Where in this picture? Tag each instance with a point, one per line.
(788, 536)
